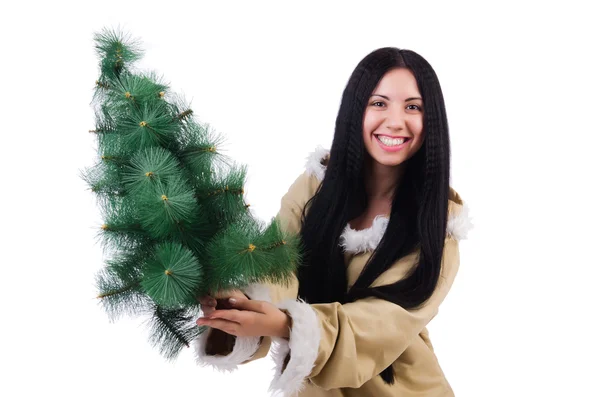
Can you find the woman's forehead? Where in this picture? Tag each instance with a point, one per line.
(397, 83)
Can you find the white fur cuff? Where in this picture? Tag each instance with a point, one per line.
(243, 350)
(302, 347)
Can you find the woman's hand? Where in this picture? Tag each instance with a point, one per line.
(249, 318)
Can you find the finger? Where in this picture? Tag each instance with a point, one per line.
(230, 315)
(223, 325)
(207, 310)
(225, 303)
(247, 304)
(207, 301)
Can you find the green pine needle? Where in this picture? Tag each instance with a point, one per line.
(105, 122)
(135, 89)
(148, 168)
(166, 206)
(148, 125)
(119, 285)
(111, 149)
(194, 232)
(181, 109)
(243, 254)
(222, 197)
(284, 253)
(104, 179)
(117, 50)
(231, 257)
(200, 153)
(171, 278)
(121, 229)
(173, 329)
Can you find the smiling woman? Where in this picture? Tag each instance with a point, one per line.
(393, 122)
(380, 225)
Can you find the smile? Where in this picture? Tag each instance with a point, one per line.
(391, 144)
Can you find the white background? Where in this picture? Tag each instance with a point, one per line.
(521, 82)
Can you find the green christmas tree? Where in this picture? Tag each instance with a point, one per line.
(176, 225)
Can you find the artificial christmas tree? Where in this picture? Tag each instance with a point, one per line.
(176, 225)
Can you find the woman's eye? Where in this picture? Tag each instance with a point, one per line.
(376, 103)
(414, 107)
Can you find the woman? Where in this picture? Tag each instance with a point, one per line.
(380, 225)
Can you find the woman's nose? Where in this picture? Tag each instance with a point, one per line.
(395, 120)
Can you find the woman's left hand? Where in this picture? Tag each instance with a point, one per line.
(249, 318)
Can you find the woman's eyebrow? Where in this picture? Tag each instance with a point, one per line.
(407, 99)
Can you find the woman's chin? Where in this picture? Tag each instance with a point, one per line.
(388, 161)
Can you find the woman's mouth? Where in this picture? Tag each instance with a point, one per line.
(390, 144)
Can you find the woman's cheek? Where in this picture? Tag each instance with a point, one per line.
(367, 125)
(416, 125)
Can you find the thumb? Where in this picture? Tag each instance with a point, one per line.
(248, 304)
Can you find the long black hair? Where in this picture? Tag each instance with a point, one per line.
(419, 207)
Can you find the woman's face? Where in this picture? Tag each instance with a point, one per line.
(393, 121)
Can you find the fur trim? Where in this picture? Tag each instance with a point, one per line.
(313, 163)
(258, 292)
(303, 348)
(245, 346)
(357, 241)
(459, 224)
(243, 350)
(280, 349)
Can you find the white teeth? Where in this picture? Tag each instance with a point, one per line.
(391, 142)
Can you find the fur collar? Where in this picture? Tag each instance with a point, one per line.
(315, 163)
(358, 241)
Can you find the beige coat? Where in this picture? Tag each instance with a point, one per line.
(339, 350)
